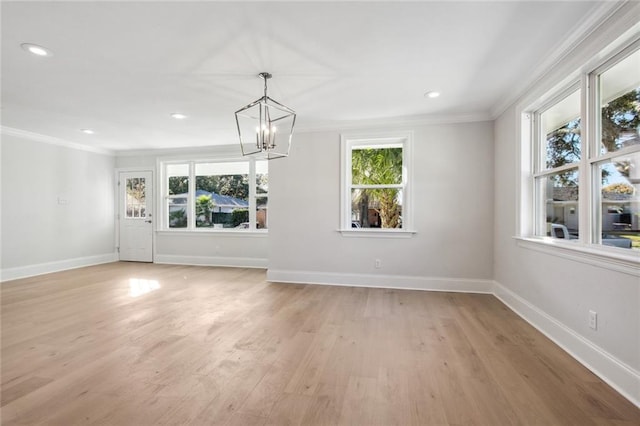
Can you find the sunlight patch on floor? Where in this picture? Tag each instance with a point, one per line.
(140, 286)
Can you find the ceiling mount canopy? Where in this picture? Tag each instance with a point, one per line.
(265, 126)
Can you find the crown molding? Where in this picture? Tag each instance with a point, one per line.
(38, 137)
(223, 150)
(583, 29)
(425, 120)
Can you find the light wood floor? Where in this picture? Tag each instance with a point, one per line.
(222, 346)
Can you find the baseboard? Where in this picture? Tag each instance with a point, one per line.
(9, 274)
(236, 262)
(382, 281)
(614, 372)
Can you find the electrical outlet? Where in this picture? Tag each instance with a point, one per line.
(593, 320)
(378, 264)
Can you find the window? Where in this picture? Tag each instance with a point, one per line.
(262, 194)
(177, 195)
(556, 178)
(375, 180)
(222, 195)
(586, 157)
(616, 163)
(216, 195)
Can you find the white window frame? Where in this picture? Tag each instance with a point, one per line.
(191, 225)
(588, 247)
(540, 169)
(348, 142)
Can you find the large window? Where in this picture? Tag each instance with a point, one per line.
(375, 183)
(216, 195)
(556, 180)
(586, 158)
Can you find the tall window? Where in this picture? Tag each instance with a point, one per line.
(556, 179)
(177, 195)
(587, 158)
(216, 195)
(375, 182)
(262, 194)
(616, 160)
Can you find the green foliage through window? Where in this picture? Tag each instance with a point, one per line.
(377, 166)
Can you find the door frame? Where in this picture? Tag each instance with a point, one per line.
(117, 207)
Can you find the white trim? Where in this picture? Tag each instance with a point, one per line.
(411, 121)
(463, 285)
(383, 139)
(584, 28)
(57, 266)
(235, 262)
(615, 259)
(230, 232)
(37, 137)
(620, 376)
(376, 233)
(186, 153)
(191, 163)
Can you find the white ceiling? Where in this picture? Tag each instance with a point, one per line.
(120, 68)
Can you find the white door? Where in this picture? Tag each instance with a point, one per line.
(135, 214)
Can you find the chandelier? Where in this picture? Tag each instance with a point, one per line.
(265, 127)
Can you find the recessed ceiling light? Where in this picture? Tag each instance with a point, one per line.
(178, 116)
(87, 131)
(432, 94)
(36, 50)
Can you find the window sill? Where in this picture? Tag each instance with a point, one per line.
(376, 233)
(621, 260)
(262, 233)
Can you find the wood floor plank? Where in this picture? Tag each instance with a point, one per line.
(142, 344)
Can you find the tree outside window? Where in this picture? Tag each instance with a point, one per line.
(375, 176)
(611, 173)
(215, 194)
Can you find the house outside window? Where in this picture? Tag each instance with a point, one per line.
(215, 195)
(375, 182)
(585, 142)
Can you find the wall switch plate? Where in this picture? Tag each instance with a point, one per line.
(593, 320)
(378, 264)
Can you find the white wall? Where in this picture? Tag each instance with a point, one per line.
(215, 248)
(453, 210)
(57, 207)
(553, 292)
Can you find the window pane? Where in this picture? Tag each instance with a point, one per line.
(561, 129)
(560, 194)
(619, 111)
(376, 166)
(620, 201)
(177, 199)
(262, 177)
(135, 204)
(376, 208)
(261, 212)
(222, 194)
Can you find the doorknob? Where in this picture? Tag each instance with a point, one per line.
(147, 221)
